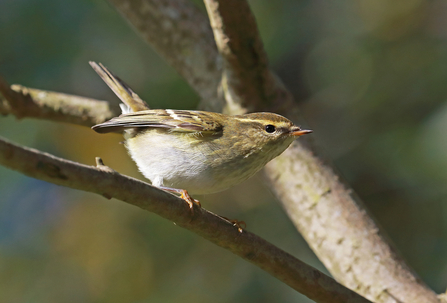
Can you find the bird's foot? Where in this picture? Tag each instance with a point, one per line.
(190, 200)
(185, 196)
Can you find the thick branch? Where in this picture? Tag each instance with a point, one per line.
(337, 228)
(247, 81)
(24, 102)
(110, 184)
(181, 34)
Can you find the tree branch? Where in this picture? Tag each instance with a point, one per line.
(24, 102)
(181, 34)
(247, 81)
(320, 205)
(110, 184)
(332, 221)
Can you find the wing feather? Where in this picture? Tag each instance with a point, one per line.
(175, 120)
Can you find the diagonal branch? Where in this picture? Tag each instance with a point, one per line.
(324, 210)
(320, 205)
(110, 184)
(247, 81)
(181, 34)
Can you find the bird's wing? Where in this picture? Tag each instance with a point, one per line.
(174, 120)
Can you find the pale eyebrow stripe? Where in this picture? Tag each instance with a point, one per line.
(248, 120)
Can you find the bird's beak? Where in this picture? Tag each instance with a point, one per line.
(296, 132)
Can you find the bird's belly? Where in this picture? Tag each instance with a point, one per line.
(210, 180)
(167, 160)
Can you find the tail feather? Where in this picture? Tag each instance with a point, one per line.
(132, 102)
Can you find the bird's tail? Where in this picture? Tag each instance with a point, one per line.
(132, 102)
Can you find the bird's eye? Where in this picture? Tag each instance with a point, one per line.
(270, 128)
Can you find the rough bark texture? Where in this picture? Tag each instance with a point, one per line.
(247, 80)
(334, 224)
(182, 35)
(339, 230)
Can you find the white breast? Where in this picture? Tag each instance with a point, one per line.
(166, 160)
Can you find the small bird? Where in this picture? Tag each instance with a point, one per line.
(197, 152)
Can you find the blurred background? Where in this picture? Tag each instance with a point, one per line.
(370, 78)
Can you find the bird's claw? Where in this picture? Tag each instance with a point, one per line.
(191, 201)
(237, 223)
